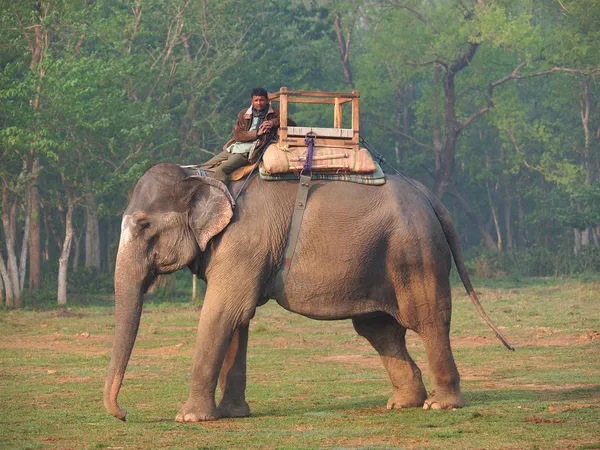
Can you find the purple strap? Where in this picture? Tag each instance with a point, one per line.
(310, 141)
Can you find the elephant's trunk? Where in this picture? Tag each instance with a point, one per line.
(128, 310)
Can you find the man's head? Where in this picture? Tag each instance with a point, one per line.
(259, 99)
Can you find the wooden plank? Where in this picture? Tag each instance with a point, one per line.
(322, 101)
(338, 143)
(345, 133)
(356, 114)
(337, 113)
(319, 141)
(342, 95)
(283, 114)
(322, 94)
(318, 101)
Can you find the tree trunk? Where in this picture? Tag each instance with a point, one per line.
(521, 230)
(8, 218)
(47, 238)
(92, 234)
(23, 259)
(585, 237)
(488, 240)
(66, 248)
(10, 299)
(35, 248)
(584, 102)
(77, 255)
(1, 287)
(576, 241)
(495, 218)
(344, 48)
(38, 48)
(508, 221)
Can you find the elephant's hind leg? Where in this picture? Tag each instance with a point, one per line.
(445, 393)
(387, 336)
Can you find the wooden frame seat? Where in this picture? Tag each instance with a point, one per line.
(342, 133)
(335, 137)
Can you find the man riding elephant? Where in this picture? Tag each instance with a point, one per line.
(252, 131)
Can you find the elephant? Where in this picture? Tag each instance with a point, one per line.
(392, 246)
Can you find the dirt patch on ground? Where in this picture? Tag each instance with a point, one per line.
(83, 343)
(538, 419)
(549, 388)
(563, 408)
(589, 336)
(356, 360)
(89, 344)
(67, 313)
(393, 441)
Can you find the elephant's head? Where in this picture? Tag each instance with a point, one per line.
(168, 223)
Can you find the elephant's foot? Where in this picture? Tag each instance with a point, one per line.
(191, 412)
(407, 399)
(228, 409)
(444, 400)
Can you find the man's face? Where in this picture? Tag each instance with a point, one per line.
(259, 103)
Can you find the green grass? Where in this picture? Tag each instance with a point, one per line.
(310, 384)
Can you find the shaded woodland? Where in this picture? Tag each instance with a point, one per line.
(492, 104)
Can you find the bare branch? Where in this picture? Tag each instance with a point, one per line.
(514, 75)
(562, 6)
(137, 13)
(78, 45)
(414, 12)
(29, 41)
(344, 46)
(514, 141)
(511, 76)
(474, 116)
(420, 64)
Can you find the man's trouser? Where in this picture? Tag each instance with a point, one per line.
(230, 162)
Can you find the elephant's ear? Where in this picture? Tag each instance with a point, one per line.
(210, 208)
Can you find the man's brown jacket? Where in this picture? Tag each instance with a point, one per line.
(243, 133)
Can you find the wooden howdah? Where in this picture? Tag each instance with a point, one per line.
(335, 136)
(336, 149)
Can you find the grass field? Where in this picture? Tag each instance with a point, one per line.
(311, 384)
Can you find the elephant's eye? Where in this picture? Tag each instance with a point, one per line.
(153, 244)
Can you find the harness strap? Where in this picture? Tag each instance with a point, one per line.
(310, 142)
(299, 209)
(294, 232)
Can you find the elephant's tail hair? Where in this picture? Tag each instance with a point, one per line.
(454, 242)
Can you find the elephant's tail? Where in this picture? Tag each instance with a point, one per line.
(454, 243)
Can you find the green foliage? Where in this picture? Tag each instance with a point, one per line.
(534, 262)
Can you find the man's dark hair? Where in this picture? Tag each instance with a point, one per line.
(259, 92)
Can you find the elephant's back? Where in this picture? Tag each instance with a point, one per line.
(353, 212)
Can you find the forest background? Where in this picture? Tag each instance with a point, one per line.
(491, 103)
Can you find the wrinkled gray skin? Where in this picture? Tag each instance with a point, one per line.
(380, 256)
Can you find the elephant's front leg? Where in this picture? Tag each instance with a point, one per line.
(218, 320)
(232, 379)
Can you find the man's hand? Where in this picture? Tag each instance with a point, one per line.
(265, 127)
